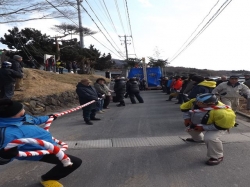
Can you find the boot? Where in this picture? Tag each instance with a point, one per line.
(169, 99)
(88, 122)
(94, 118)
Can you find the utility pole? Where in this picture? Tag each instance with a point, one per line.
(80, 23)
(125, 43)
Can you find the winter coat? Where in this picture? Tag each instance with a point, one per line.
(16, 65)
(24, 127)
(100, 89)
(247, 83)
(133, 87)
(225, 89)
(8, 76)
(201, 88)
(177, 84)
(221, 119)
(120, 86)
(86, 93)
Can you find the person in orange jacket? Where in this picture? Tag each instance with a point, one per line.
(176, 87)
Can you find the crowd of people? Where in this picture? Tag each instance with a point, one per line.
(208, 106)
(101, 93)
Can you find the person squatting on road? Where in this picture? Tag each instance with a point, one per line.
(15, 124)
(210, 116)
(8, 78)
(87, 93)
(230, 92)
(134, 91)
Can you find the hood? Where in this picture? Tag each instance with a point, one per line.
(6, 122)
(210, 84)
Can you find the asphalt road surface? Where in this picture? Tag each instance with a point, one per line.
(139, 145)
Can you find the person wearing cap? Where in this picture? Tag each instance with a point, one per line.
(87, 93)
(15, 124)
(206, 113)
(17, 66)
(8, 78)
(229, 92)
(201, 86)
(247, 80)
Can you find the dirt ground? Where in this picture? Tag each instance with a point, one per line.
(243, 105)
(40, 83)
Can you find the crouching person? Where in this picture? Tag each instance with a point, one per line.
(206, 113)
(15, 124)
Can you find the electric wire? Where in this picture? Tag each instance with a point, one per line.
(197, 27)
(130, 26)
(225, 4)
(102, 24)
(118, 11)
(100, 30)
(110, 16)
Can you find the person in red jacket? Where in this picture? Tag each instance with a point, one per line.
(176, 87)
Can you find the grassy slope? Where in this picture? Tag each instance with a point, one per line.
(40, 83)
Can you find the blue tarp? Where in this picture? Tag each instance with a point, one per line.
(153, 75)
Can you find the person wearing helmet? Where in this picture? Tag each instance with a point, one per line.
(206, 113)
(8, 78)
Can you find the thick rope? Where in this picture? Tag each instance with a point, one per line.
(210, 108)
(52, 149)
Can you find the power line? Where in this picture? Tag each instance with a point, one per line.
(104, 46)
(225, 4)
(197, 27)
(130, 26)
(109, 16)
(118, 11)
(101, 24)
(61, 12)
(100, 30)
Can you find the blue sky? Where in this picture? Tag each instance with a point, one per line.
(166, 25)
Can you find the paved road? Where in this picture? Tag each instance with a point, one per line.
(139, 146)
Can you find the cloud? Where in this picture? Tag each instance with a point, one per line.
(145, 3)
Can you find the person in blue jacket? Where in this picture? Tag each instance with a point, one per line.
(15, 124)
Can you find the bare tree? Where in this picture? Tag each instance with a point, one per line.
(26, 10)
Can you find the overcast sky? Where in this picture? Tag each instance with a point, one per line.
(166, 25)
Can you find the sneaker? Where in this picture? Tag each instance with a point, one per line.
(51, 183)
(88, 122)
(106, 108)
(95, 118)
(103, 111)
(213, 161)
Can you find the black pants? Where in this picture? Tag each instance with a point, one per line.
(60, 70)
(89, 112)
(7, 91)
(138, 97)
(106, 101)
(59, 171)
(120, 98)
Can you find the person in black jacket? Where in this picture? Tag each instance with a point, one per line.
(134, 91)
(8, 78)
(87, 93)
(120, 90)
(17, 65)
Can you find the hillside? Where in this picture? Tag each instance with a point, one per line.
(41, 83)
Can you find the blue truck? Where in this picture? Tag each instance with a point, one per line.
(151, 75)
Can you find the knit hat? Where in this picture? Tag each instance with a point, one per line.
(234, 77)
(198, 78)
(15, 57)
(9, 108)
